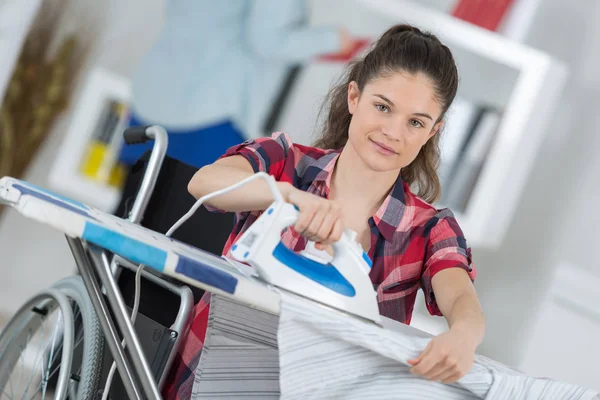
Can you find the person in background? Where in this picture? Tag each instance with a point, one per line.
(215, 69)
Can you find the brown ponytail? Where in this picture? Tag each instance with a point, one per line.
(400, 48)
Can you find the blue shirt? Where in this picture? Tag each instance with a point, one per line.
(225, 60)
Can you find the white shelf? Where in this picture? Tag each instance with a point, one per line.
(517, 24)
(65, 178)
(524, 84)
(16, 18)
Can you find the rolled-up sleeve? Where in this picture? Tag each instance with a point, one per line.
(265, 154)
(446, 248)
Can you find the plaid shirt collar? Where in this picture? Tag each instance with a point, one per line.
(390, 213)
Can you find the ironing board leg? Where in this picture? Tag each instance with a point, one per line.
(120, 312)
(108, 327)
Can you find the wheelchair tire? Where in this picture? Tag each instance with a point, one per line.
(85, 355)
(92, 351)
(18, 333)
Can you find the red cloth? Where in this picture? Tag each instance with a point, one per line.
(343, 58)
(485, 13)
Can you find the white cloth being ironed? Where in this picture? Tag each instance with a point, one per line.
(325, 354)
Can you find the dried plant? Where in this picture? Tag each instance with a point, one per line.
(40, 87)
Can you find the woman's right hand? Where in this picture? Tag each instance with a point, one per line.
(320, 219)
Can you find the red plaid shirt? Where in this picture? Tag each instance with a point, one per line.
(411, 241)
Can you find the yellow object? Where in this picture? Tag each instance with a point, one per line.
(96, 153)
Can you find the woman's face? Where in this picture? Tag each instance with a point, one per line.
(392, 118)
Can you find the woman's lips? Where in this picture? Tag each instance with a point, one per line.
(383, 149)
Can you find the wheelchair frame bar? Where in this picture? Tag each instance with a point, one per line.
(85, 255)
(108, 327)
(185, 308)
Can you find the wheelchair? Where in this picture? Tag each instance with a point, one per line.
(90, 316)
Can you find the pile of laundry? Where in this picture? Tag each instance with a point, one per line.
(312, 351)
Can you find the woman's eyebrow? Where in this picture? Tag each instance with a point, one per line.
(382, 97)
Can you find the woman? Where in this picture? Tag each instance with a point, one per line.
(213, 73)
(379, 140)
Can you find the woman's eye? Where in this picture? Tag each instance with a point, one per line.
(416, 123)
(382, 108)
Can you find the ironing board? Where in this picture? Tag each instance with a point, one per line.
(230, 280)
(139, 245)
(218, 275)
(193, 266)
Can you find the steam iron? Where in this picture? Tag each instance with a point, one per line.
(343, 283)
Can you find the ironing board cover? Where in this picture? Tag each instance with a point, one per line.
(138, 244)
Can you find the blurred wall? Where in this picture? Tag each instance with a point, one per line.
(563, 197)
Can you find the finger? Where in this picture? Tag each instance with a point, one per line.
(430, 364)
(337, 228)
(304, 219)
(312, 232)
(451, 378)
(324, 232)
(451, 367)
(337, 231)
(418, 359)
(439, 369)
(442, 373)
(427, 363)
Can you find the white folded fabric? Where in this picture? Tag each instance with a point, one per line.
(325, 354)
(315, 352)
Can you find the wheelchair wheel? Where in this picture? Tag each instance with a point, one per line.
(88, 350)
(23, 345)
(58, 333)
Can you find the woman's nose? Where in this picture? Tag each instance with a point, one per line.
(394, 130)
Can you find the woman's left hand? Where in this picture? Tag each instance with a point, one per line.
(447, 357)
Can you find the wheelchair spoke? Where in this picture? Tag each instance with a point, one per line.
(38, 359)
(9, 397)
(35, 343)
(40, 356)
(22, 360)
(51, 359)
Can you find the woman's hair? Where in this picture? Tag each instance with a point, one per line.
(402, 48)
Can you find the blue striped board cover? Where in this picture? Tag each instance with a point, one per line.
(138, 244)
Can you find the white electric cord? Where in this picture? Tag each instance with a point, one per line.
(270, 181)
(136, 305)
(277, 197)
